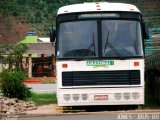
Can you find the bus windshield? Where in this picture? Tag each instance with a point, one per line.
(106, 39)
(78, 39)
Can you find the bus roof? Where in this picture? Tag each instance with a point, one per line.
(97, 6)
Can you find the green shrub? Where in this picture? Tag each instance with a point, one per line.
(12, 84)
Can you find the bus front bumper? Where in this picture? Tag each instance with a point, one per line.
(100, 96)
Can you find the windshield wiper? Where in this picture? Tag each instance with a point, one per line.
(112, 48)
(93, 43)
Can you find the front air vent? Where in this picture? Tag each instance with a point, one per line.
(83, 78)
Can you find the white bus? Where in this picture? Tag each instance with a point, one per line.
(100, 54)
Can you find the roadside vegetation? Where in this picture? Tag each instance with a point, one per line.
(13, 76)
(48, 82)
(43, 98)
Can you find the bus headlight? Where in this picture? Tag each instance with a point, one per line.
(135, 95)
(67, 97)
(84, 96)
(127, 96)
(117, 96)
(76, 97)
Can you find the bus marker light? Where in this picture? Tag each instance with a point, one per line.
(64, 65)
(136, 63)
(135, 95)
(67, 97)
(126, 96)
(84, 96)
(75, 97)
(117, 96)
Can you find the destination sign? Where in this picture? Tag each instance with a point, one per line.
(99, 15)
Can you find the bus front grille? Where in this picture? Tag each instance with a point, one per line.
(82, 78)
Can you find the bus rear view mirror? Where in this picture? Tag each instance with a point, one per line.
(145, 31)
(52, 35)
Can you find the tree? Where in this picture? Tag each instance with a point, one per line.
(12, 55)
(14, 76)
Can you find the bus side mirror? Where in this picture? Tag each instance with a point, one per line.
(145, 31)
(52, 35)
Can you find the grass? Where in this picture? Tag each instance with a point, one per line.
(48, 82)
(43, 98)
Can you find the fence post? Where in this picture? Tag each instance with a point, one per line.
(29, 65)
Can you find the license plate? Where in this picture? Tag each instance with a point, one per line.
(100, 97)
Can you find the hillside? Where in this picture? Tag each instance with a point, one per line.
(20, 16)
